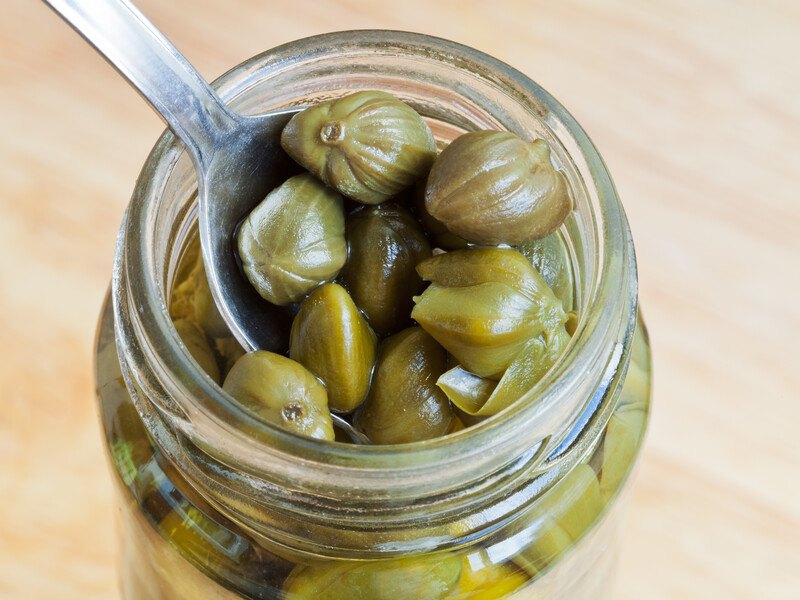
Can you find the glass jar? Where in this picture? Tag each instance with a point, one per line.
(525, 504)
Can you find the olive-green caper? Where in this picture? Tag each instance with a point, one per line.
(385, 244)
(550, 258)
(191, 295)
(197, 345)
(622, 438)
(482, 579)
(281, 391)
(491, 187)
(418, 578)
(368, 145)
(560, 518)
(293, 240)
(482, 397)
(404, 405)
(484, 306)
(332, 340)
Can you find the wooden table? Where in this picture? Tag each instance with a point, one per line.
(694, 105)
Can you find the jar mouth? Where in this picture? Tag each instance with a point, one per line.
(170, 387)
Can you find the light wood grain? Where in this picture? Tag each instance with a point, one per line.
(694, 106)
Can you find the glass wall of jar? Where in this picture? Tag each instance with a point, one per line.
(527, 503)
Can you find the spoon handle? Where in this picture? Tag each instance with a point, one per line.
(153, 66)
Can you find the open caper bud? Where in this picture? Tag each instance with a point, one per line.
(484, 306)
(385, 245)
(281, 391)
(368, 145)
(293, 240)
(404, 404)
(196, 343)
(491, 187)
(415, 578)
(333, 341)
(191, 296)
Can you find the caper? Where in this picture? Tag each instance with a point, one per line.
(332, 340)
(191, 295)
(404, 405)
(466, 391)
(549, 257)
(281, 391)
(491, 187)
(561, 517)
(489, 581)
(197, 345)
(438, 233)
(368, 145)
(418, 578)
(385, 244)
(484, 306)
(622, 438)
(293, 240)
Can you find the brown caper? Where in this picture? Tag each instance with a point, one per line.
(385, 244)
(368, 145)
(484, 306)
(404, 404)
(293, 240)
(332, 340)
(281, 391)
(491, 187)
(440, 236)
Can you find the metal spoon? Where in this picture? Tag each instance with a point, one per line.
(238, 158)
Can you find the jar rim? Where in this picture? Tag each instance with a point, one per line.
(204, 412)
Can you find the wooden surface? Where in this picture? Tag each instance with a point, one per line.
(694, 105)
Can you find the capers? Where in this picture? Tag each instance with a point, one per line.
(561, 517)
(385, 244)
(484, 306)
(550, 258)
(196, 343)
(491, 187)
(404, 404)
(419, 578)
(368, 145)
(293, 240)
(281, 391)
(191, 297)
(332, 340)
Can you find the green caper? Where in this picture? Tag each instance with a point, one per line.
(197, 345)
(281, 391)
(293, 240)
(484, 306)
(191, 295)
(417, 578)
(332, 340)
(404, 404)
(549, 257)
(561, 517)
(368, 145)
(482, 579)
(466, 391)
(491, 187)
(385, 244)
